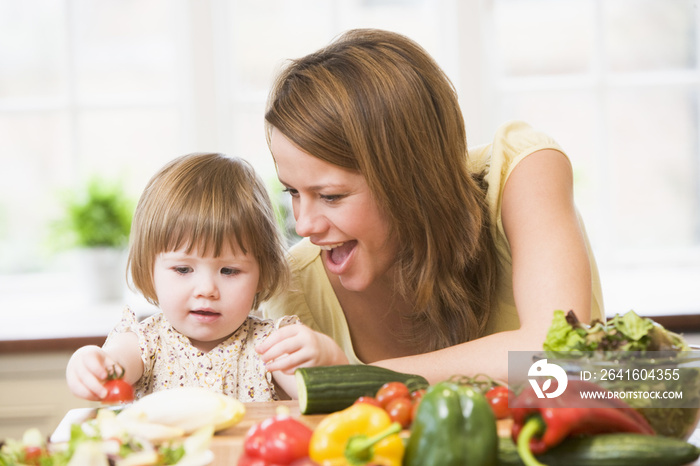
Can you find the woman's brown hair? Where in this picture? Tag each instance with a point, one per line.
(374, 101)
(204, 202)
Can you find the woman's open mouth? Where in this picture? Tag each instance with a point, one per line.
(337, 255)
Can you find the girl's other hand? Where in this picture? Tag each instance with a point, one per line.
(86, 372)
(297, 345)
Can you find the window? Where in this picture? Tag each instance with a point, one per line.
(119, 88)
(616, 83)
(85, 87)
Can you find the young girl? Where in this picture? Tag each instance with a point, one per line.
(206, 250)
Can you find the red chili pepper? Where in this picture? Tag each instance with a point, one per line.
(278, 440)
(569, 414)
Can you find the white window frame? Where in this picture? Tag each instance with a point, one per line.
(661, 282)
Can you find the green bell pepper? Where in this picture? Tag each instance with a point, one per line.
(454, 425)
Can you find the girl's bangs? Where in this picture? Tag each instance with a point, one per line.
(202, 232)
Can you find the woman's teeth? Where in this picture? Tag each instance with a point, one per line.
(328, 247)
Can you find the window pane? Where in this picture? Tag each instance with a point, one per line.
(653, 162)
(32, 49)
(247, 138)
(125, 48)
(650, 34)
(544, 36)
(35, 157)
(263, 34)
(129, 143)
(418, 19)
(570, 118)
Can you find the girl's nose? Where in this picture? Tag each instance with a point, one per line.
(207, 288)
(308, 221)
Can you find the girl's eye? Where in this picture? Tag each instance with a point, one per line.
(229, 271)
(182, 269)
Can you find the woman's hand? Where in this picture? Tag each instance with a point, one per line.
(297, 345)
(86, 372)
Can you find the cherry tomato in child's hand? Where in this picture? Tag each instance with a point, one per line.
(498, 399)
(400, 410)
(391, 391)
(118, 389)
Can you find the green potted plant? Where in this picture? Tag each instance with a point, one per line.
(97, 221)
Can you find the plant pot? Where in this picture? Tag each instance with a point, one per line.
(103, 272)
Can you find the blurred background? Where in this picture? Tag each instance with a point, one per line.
(115, 88)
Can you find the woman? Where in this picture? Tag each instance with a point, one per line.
(419, 256)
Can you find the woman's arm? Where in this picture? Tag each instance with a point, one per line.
(551, 270)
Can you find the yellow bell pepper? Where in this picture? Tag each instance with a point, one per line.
(358, 435)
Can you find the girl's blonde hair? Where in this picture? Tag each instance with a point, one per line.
(206, 201)
(376, 102)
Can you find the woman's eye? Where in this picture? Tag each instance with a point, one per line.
(182, 270)
(331, 197)
(229, 271)
(292, 192)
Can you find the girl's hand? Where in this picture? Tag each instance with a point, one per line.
(297, 345)
(87, 371)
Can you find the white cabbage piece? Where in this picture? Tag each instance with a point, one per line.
(186, 408)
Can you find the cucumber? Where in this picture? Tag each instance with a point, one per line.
(326, 389)
(608, 450)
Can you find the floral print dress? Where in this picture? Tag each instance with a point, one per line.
(232, 368)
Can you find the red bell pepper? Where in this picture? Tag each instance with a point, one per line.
(277, 441)
(542, 424)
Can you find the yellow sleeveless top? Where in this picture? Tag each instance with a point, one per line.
(311, 296)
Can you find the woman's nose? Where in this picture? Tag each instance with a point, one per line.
(308, 220)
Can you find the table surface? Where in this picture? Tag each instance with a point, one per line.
(227, 445)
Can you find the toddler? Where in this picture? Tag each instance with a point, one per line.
(204, 248)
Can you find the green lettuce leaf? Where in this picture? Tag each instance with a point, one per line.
(562, 336)
(632, 326)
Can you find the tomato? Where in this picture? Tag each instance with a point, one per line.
(33, 455)
(414, 410)
(391, 391)
(417, 395)
(304, 462)
(498, 399)
(369, 400)
(400, 410)
(118, 389)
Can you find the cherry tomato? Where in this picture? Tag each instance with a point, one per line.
(414, 410)
(118, 389)
(498, 399)
(304, 462)
(33, 455)
(391, 391)
(417, 395)
(400, 410)
(369, 400)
